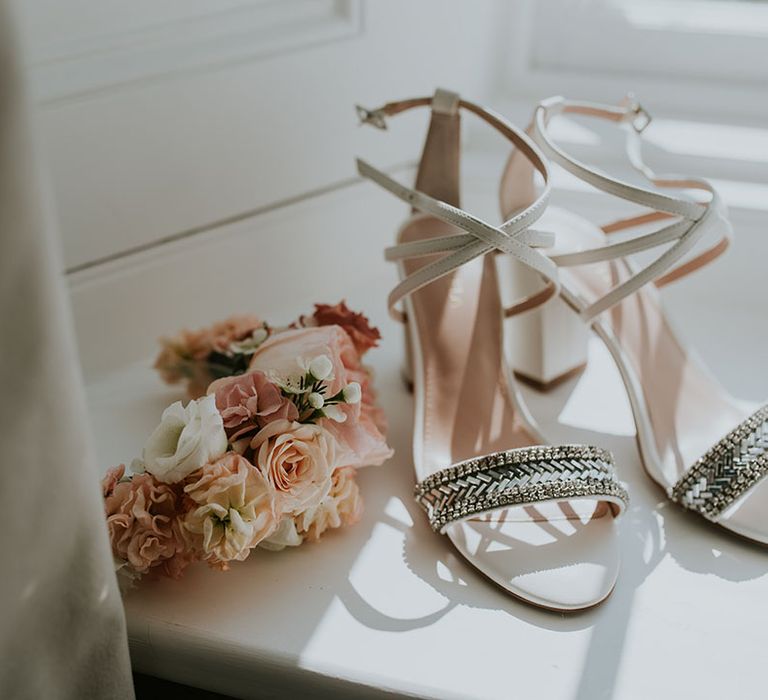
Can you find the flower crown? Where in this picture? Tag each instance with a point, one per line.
(264, 454)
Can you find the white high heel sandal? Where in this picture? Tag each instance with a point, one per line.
(537, 520)
(708, 451)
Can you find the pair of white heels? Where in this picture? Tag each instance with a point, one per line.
(540, 520)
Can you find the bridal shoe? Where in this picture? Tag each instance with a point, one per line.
(538, 520)
(708, 451)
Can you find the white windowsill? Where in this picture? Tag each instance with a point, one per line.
(388, 604)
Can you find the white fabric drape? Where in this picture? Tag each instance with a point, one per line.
(62, 628)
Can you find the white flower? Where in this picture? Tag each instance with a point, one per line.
(249, 345)
(186, 439)
(316, 400)
(352, 393)
(290, 385)
(321, 367)
(286, 535)
(334, 413)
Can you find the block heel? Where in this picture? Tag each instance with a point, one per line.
(545, 346)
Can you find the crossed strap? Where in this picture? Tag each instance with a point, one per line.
(692, 219)
(513, 477)
(514, 237)
(728, 470)
(523, 476)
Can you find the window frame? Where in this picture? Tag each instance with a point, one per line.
(599, 49)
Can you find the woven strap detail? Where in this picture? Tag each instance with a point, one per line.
(519, 477)
(727, 470)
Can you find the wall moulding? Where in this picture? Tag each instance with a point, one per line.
(104, 50)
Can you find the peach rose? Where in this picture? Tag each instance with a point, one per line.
(142, 523)
(364, 336)
(249, 402)
(360, 440)
(342, 506)
(233, 509)
(297, 459)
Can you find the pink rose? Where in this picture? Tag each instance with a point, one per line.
(280, 352)
(342, 506)
(232, 510)
(298, 460)
(366, 438)
(369, 407)
(142, 523)
(360, 441)
(364, 336)
(249, 402)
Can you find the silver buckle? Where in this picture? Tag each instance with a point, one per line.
(640, 117)
(374, 117)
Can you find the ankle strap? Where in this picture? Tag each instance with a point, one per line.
(693, 219)
(627, 112)
(514, 237)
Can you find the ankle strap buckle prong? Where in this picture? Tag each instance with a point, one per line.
(374, 117)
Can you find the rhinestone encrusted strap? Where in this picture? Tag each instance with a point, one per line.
(518, 477)
(727, 470)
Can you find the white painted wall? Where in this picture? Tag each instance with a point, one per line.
(175, 120)
(164, 119)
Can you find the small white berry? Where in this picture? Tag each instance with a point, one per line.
(316, 400)
(320, 368)
(259, 335)
(352, 393)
